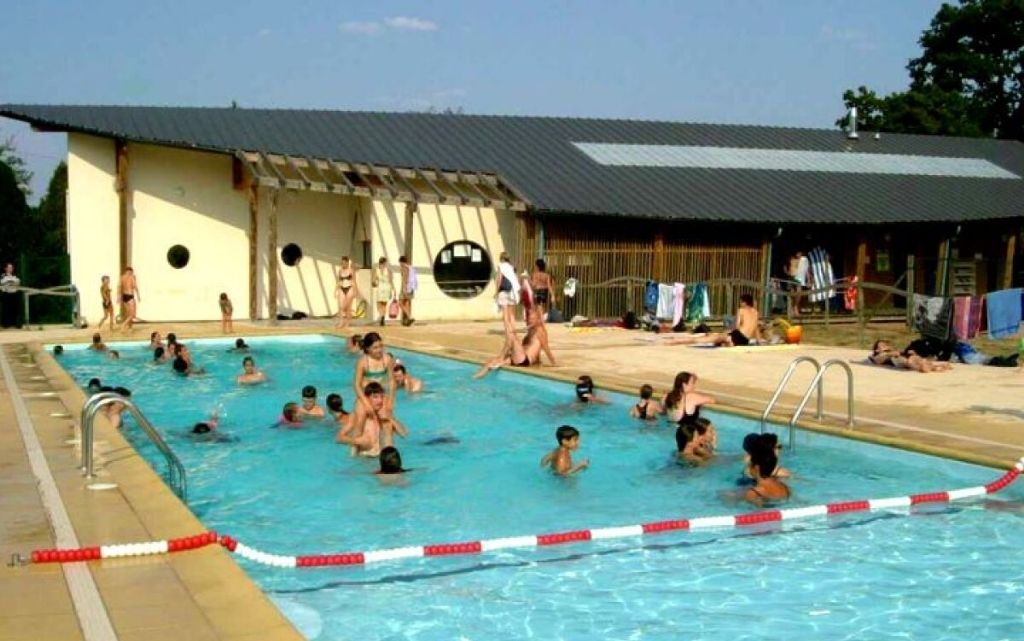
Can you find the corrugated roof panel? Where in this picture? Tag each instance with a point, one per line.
(621, 155)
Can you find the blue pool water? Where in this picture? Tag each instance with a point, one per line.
(940, 572)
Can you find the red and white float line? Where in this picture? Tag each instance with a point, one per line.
(489, 545)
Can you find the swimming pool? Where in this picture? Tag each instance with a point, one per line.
(939, 571)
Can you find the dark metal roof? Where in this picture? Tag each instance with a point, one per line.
(537, 156)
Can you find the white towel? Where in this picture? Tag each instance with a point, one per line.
(666, 302)
(802, 267)
(509, 272)
(680, 298)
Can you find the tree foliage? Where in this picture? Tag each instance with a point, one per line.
(9, 156)
(968, 81)
(50, 217)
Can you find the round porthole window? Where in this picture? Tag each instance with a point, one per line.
(462, 269)
(178, 256)
(291, 254)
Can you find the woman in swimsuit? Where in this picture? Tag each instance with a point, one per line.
(683, 402)
(647, 409)
(766, 487)
(542, 286)
(346, 291)
(108, 304)
(376, 365)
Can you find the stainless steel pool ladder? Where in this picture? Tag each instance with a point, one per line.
(175, 470)
(815, 384)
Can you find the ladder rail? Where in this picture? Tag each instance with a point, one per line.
(818, 382)
(782, 386)
(176, 471)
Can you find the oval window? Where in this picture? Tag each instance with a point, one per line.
(178, 256)
(462, 269)
(291, 254)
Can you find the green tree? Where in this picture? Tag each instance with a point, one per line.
(50, 217)
(9, 156)
(968, 81)
(13, 213)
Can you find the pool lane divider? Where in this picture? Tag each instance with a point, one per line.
(538, 540)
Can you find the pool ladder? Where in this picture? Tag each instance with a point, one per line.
(175, 470)
(816, 383)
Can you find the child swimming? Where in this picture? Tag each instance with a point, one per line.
(560, 458)
(646, 409)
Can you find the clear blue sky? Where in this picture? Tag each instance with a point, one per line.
(775, 62)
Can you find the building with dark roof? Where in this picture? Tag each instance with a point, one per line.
(598, 198)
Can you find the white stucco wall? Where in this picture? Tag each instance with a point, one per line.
(92, 219)
(187, 197)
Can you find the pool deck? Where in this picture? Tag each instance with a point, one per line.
(972, 413)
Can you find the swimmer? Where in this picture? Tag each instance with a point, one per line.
(753, 444)
(688, 444)
(336, 406)
(160, 355)
(309, 405)
(155, 340)
(391, 462)
(172, 344)
(560, 458)
(250, 375)
(766, 487)
(290, 416)
(646, 409)
(406, 381)
(585, 391)
(442, 440)
(207, 426)
(114, 354)
(58, 350)
(240, 346)
(97, 344)
(373, 425)
(683, 402)
(355, 344)
(113, 410)
(376, 365)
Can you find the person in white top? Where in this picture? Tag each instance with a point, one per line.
(9, 284)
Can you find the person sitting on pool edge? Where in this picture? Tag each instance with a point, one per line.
(336, 406)
(405, 380)
(647, 409)
(309, 405)
(585, 391)
(767, 489)
(250, 375)
(560, 458)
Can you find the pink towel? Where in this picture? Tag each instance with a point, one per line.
(961, 316)
(679, 289)
(974, 319)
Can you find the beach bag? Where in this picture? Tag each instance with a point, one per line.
(555, 315)
(393, 309)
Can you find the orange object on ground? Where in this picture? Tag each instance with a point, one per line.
(794, 333)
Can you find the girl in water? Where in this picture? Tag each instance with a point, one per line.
(375, 365)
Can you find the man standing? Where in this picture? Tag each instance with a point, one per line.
(409, 284)
(9, 284)
(128, 289)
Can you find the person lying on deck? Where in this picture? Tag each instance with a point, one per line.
(883, 354)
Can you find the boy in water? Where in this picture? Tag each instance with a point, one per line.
(560, 458)
(226, 310)
(309, 406)
(585, 391)
(406, 381)
(250, 375)
(97, 343)
(373, 426)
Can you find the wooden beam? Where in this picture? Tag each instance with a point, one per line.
(240, 178)
(659, 256)
(410, 210)
(1011, 248)
(352, 189)
(418, 196)
(331, 185)
(272, 267)
(283, 182)
(254, 218)
(489, 202)
(442, 197)
(308, 183)
(383, 181)
(465, 200)
(505, 202)
(862, 259)
(121, 185)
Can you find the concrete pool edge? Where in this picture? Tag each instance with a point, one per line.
(211, 596)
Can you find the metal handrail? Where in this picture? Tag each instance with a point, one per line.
(67, 291)
(782, 385)
(817, 382)
(176, 477)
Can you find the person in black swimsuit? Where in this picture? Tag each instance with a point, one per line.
(647, 409)
(516, 353)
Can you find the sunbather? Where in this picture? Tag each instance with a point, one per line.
(883, 354)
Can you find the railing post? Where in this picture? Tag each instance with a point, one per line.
(911, 284)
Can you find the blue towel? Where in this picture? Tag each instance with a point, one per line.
(651, 295)
(1004, 312)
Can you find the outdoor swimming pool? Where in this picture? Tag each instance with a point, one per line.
(937, 572)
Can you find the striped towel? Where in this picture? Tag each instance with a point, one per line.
(821, 274)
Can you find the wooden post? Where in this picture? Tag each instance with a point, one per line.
(766, 277)
(410, 210)
(659, 256)
(121, 185)
(272, 267)
(1011, 247)
(942, 270)
(911, 287)
(254, 217)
